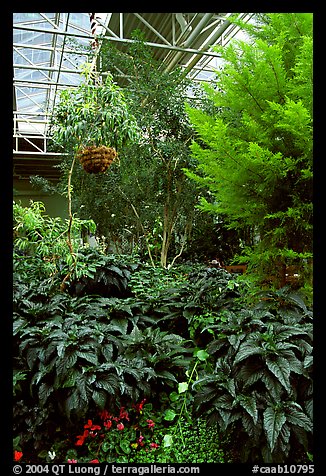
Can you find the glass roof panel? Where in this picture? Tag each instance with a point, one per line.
(43, 62)
(49, 50)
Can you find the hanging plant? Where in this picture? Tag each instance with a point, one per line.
(93, 121)
(96, 159)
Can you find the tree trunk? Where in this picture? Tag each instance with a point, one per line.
(170, 215)
(142, 227)
(167, 233)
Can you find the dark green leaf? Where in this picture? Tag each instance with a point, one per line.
(274, 420)
(246, 350)
(99, 398)
(249, 403)
(281, 368)
(89, 356)
(296, 416)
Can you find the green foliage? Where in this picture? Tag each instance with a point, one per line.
(17, 377)
(261, 386)
(137, 434)
(101, 274)
(80, 353)
(191, 338)
(92, 114)
(76, 350)
(117, 436)
(180, 409)
(197, 443)
(255, 152)
(146, 203)
(146, 281)
(40, 246)
(190, 305)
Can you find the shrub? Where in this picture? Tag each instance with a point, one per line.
(261, 386)
(115, 436)
(100, 274)
(195, 301)
(81, 353)
(40, 246)
(197, 443)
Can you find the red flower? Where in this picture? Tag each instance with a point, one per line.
(91, 426)
(124, 414)
(108, 424)
(94, 461)
(153, 445)
(81, 438)
(139, 406)
(105, 415)
(17, 455)
(150, 423)
(72, 461)
(120, 426)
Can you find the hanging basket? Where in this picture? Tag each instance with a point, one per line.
(96, 159)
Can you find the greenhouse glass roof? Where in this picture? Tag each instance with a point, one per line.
(49, 51)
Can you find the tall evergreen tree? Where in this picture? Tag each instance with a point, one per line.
(255, 152)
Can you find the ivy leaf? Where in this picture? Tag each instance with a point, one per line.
(169, 415)
(174, 396)
(202, 355)
(167, 441)
(182, 387)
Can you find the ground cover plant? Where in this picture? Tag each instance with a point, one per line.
(120, 357)
(207, 362)
(86, 352)
(261, 385)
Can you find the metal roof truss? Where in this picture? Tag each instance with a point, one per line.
(49, 51)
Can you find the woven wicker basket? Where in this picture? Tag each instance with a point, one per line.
(96, 159)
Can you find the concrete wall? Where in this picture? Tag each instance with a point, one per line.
(55, 205)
